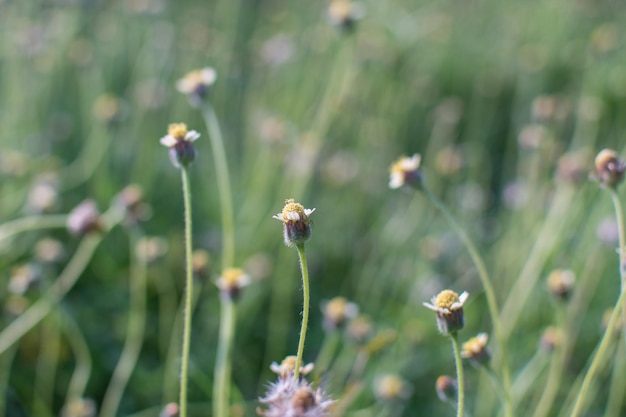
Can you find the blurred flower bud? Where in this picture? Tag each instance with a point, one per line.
(23, 278)
(551, 338)
(345, 13)
(609, 168)
(446, 388)
(475, 349)
(84, 219)
(231, 282)
(406, 171)
(560, 283)
(49, 250)
(81, 407)
(391, 387)
(360, 329)
(170, 410)
(200, 263)
(197, 85)
(337, 311)
(131, 200)
(150, 248)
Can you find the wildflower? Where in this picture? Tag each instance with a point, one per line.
(109, 108)
(551, 338)
(288, 366)
(231, 282)
(446, 388)
(48, 250)
(344, 13)
(406, 171)
(337, 311)
(360, 329)
(180, 142)
(561, 283)
(609, 168)
(391, 387)
(131, 201)
(197, 84)
(475, 349)
(200, 261)
(291, 398)
(449, 308)
(151, 248)
(85, 218)
(170, 410)
(23, 278)
(296, 222)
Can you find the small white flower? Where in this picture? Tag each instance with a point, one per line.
(178, 132)
(404, 171)
(196, 81)
(436, 304)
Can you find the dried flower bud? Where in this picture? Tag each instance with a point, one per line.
(561, 283)
(406, 171)
(609, 168)
(288, 366)
(81, 407)
(551, 338)
(197, 85)
(231, 282)
(337, 311)
(449, 308)
(360, 329)
(296, 223)
(446, 388)
(391, 388)
(84, 219)
(180, 143)
(475, 349)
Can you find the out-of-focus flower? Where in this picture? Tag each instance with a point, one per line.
(391, 387)
(23, 277)
(551, 338)
(151, 248)
(85, 218)
(337, 311)
(131, 200)
(446, 388)
(81, 407)
(49, 250)
(406, 171)
(360, 329)
(609, 168)
(170, 410)
(345, 13)
(231, 282)
(475, 349)
(560, 283)
(288, 366)
(197, 84)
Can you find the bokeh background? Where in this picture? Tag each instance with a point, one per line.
(507, 102)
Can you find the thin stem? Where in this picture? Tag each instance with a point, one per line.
(489, 292)
(134, 334)
(31, 223)
(184, 367)
(40, 309)
(223, 365)
(80, 348)
(459, 374)
(46, 368)
(599, 356)
(305, 307)
(619, 216)
(223, 185)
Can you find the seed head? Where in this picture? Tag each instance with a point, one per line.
(406, 171)
(296, 223)
(290, 398)
(449, 308)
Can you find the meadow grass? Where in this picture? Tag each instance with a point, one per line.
(507, 103)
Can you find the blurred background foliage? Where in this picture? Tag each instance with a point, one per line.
(491, 93)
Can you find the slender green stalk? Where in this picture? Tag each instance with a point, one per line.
(40, 309)
(223, 365)
(619, 216)
(5, 372)
(459, 374)
(599, 356)
(47, 362)
(223, 185)
(134, 334)
(305, 307)
(617, 386)
(489, 292)
(82, 370)
(31, 223)
(184, 367)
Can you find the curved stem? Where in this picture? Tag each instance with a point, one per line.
(223, 185)
(82, 370)
(223, 365)
(489, 292)
(184, 367)
(40, 309)
(305, 308)
(599, 356)
(134, 334)
(459, 374)
(31, 223)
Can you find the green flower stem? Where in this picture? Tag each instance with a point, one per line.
(617, 386)
(619, 216)
(40, 309)
(82, 370)
(31, 223)
(46, 368)
(223, 185)
(184, 367)
(6, 361)
(599, 356)
(223, 365)
(489, 292)
(459, 374)
(305, 308)
(134, 333)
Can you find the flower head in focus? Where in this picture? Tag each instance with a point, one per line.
(449, 308)
(296, 222)
(179, 140)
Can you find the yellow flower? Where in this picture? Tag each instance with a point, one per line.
(405, 171)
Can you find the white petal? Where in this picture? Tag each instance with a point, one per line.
(209, 75)
(191, 136)
(463, 297)
(308, 212)
(278, 216)
(396, 181)
(293, 216)
(184, 86)
(430, 306)
(168, 141)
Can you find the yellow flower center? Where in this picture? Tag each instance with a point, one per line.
(474, 345)
(446, 299)
(292, 207)
(336, 308)
(177, 130)
(398, 166)
(232, 276)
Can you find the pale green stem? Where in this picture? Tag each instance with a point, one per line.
(617, 386)
(184, 367)
(305, 307)
(223, 364)
(5, 372)
(82, 370)
(489, 292)
(134, 334)
(40, 309)
(31, 223)
(46, 368)
(459, 375)
(223, 185)
(599, 357)
(619, 216)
